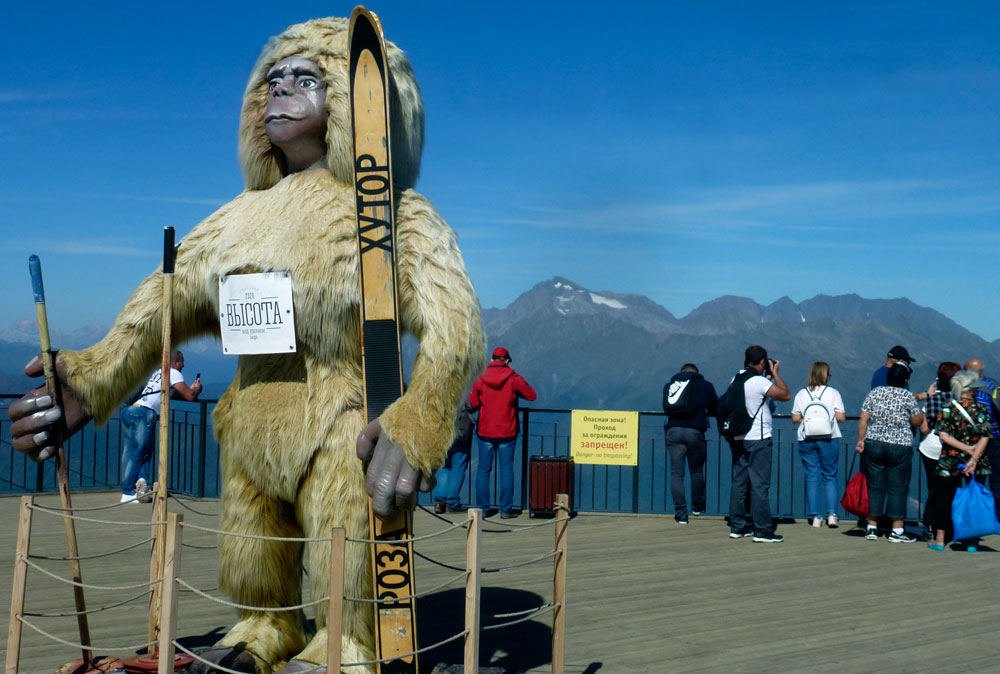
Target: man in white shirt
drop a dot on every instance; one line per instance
(139, 423)
(752, 451)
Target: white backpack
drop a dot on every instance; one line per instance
(817, 423)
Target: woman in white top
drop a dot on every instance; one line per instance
(817, 409)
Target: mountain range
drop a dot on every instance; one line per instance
(606, 350)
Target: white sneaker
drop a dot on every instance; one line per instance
(817, 522)
(832, 522)
(128, 498)
(142, 492)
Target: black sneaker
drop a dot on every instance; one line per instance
(439, 507)
(457, 509)
(681, 520)
(871, 533)
(901, 538)
(769, 537)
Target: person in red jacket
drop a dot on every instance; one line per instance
(495, 396)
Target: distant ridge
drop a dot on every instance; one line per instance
(613, 350)
(582, 348)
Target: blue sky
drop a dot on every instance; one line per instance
(678, 151)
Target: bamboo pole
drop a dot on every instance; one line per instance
(168, 619)
(160, 497)
(20, 584)
(335, 609)
(472, 589)
(62, 471)
(559, 586)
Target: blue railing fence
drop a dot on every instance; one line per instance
(94, 457)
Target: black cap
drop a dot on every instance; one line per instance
(900, 353)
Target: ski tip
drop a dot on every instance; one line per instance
(364, 14)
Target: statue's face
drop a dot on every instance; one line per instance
(295, 117)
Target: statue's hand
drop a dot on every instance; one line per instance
(39, 424)
(390, 480)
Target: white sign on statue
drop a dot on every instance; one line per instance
(255, 313)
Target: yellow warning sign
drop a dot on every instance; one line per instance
(602, 437)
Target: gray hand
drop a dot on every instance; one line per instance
(390, 480)
(39, 424)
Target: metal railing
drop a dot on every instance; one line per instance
(95, 457)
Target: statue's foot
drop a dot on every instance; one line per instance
(234, 658)
(301, 667)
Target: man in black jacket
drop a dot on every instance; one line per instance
(688, 401)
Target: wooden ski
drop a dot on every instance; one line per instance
(392, 560)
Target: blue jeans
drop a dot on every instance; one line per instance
(488, 447)
(139, 424)
(751, 473)
(819, 461)
(452, 474)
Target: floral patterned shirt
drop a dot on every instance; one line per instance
(891, 408)
(954, 423)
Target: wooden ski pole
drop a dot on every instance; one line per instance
(162, 475)
(62, 471)
(392, 556)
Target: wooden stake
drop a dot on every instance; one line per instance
(472, 590)
(160, 498)
(168, 619)
(62, 471)
(335, 610)
(20, 589)
(559, 586)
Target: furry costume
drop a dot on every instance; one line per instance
(287, 425)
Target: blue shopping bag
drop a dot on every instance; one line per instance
(972, 512)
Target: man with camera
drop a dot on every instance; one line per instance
(752, 450)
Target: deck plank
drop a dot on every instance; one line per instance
(644, 595)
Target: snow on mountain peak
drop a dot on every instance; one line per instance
(607, 301)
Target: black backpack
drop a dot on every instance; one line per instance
(732, 413)
(680, 397)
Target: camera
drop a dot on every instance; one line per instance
(767, 367)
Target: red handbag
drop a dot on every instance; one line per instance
(855, 499)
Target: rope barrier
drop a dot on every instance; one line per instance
(544, 608)
(226, 602)
(85, 585)
(434, 561)
(88, 611)
(257, 537)
(95, 556)
(327, 539)
(96, 521)
(521, 527)
(412, 539)
(404, 655)
(199, 547)
(91, 647)
(182, 504)
(547, 555)
(392, 600)
(117, 504)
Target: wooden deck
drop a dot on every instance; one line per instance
(644, 595)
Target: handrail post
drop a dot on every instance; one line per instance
(335, 609)
(559, 586)
(524, 457)
(168, 617)
(20, 584)
(473, 567)
(202, 446)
